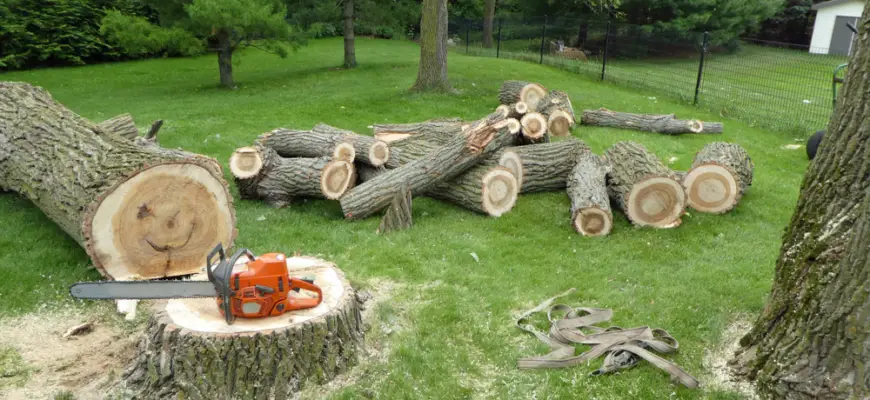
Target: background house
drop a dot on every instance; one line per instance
(830, 33)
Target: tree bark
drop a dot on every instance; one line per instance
(587, 189)
(667, 124)
(483, 188)
(139, 211)
(349, 41)
(488, 18)
(188, 351)
(720, 174)
(322, 140)
(515, 91)
(121, 125)
(225, 58)
(545, 167)
(647, 191)
(395, 132)
(432, 74)
(811, 339)
(398, 216)
(459, 154)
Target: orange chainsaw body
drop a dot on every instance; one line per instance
(263, 289)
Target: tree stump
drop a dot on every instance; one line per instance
(322, 141)
(720, 174)
(587, 189)
(527, 92)
(188, 351)
(398, 216)
(121, 125)
(667, 124)
(488, 190)
(642, 187)
(261, 174)
(139, 211)
(543, 167)
(559, 111)
(534, 129)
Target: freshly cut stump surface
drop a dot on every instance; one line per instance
(720, 174)
(188, 350)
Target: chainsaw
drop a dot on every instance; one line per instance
(260, 290)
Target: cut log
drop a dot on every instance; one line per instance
(544, 167)
(642, 187)
(503, 109)
(261, 174)
(518, 109)
(534, 129)
(321, 142)
(446, 162)
(398, 216)
(667, 123)
(720, 174)
(121, 125)
(344, 152)
(587, 189)
(139, 211)
(488, 190)
(188, 350)
(527, 92)
(394, 132)
(556, 106)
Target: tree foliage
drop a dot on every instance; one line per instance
(139, 37)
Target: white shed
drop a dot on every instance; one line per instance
(830, 33)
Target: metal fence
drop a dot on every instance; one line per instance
(774, 85)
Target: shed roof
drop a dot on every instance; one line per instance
(831, 3)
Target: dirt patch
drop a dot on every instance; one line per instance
(84, 366)
(719, 375)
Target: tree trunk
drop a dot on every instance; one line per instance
(485, 189)
(446, 162)
(121, 125)
(398, 216)
(488, 17)
(436, 135)
(395, 132)
(811, 339)
(225, 58)
(667, 124)
(322, 141)
(432, 74)
(261, 174)
(587, 189)
(515, 91)
(189, 352)
(720, 174)
(139, 211)
(349, 42)
(545, 167)
(647, 191)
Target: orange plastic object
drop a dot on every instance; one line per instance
(263, 289)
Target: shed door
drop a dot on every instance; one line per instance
(842, 38)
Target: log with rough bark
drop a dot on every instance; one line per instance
(389, 133)
(527, 92)
(446, 162)
(261, 174)
(488, 190)
(543, 167)
(642, 187)
(534, 129)
(322, 140)
(398, 216)
(139, 211)
(121, 125)
(659, 123)
(559, 111)
(720, 174)
(587, 189)
(188, 350)
(426, 141)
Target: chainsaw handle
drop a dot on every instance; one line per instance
(209, 260)
(310, 286)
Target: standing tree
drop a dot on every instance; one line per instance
(349, 42)
(225, 24)
(432, 74)
(488, 17)
(812, 340)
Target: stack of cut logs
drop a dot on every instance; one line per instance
(484, 165)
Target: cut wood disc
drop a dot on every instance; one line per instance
(246, 162)
(593, 221)
(513, 125)
(711, 188)
(532, 94)
(560, 123)
(344, 152)
(162, 220)
(657, 202)
(379, 153)
(534, 125)
(500, 191)
(521, 107)
(337, 177)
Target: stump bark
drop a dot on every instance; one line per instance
(587, 189)
(720, 174)
(484, 189)
(560, 113)
(322, 141)
(446, 162)
(261, 174)
(642, 187)
(139, 211)
(398, 216)
(121, 125)
(188, 351)
(667, 124)
(527, 92)
(545, 167)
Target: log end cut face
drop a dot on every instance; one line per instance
(379, 153)
(500, 191)
(160, 222)
(593, 221)
(344, 152)
(532, 94)
(560, 123)
(337, 178)
(711, 188)
(246, 162)
(657, 201)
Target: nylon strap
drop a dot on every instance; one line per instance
(623, 348)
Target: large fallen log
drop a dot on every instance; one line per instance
(545, 167)
(261, 174)
(515, 91)
(720, 174)
(394, 132)
(139, 211)
(667, 123)
(587, 189)
(189, 352)
(560, 113)
(446, 162)
(322, 140)
(488, 190)
(647, 191)
(426, 141)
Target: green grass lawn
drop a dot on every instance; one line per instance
(446, 330)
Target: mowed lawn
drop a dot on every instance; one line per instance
(444, 325)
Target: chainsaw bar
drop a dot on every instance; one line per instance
(142, 290)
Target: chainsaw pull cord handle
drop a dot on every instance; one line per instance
(310, 286)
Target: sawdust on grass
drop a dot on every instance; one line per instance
(719, 374)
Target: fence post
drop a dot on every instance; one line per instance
(543, 35)
(467, 28)
(498, 45)
(606, 41)
(701, 67)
